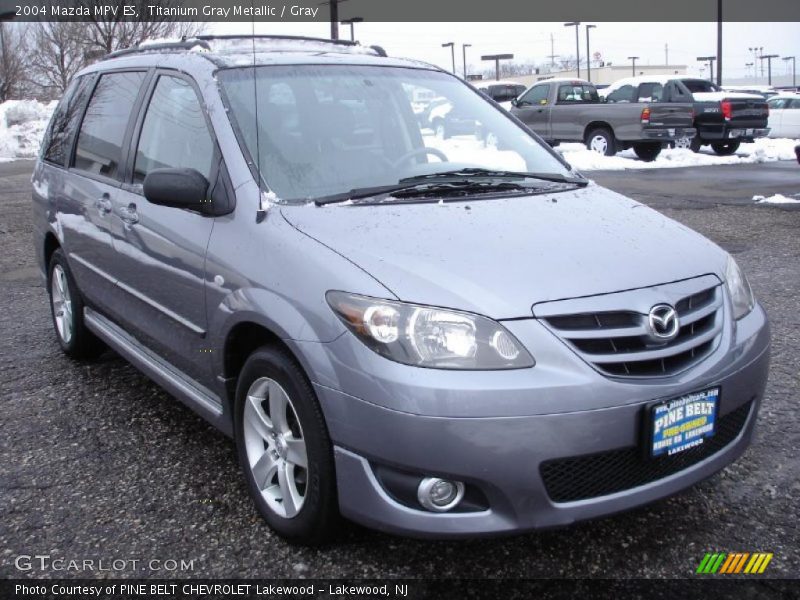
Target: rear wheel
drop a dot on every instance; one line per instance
(66, 307)
(601, 140)
(725, 148)
(647, 151)
(284, 449)
(695, 144)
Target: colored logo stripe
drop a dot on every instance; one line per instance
(723, 563)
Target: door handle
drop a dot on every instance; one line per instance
(103, 205)
(129, 214)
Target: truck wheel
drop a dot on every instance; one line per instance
(601, 140)
(647, 151)
(284, 449)
(695, 144)
(66, 306)
(725, 148)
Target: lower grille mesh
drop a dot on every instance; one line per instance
(582, 477)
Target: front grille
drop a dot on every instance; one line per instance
(618, 343)
(582, 477)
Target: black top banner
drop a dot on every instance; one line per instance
(404, 10)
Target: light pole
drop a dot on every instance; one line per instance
(769, 58)
(589, 54)
(576, 25)
(719, 43)
(747, 68)
(497, 58)
(350, 22)
(710, 60)
(794, 73)
(633, 60)
(464, 57)
(452, 47)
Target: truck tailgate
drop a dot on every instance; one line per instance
(671, 114)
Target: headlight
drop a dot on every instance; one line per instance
(425, 336)
(739, 290)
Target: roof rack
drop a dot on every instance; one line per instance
(203, 42)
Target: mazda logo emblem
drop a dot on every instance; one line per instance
(663, 323)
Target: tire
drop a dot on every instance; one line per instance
(66, 309)
(725, 148)
(647, 151)
(696, 144)
(602, 141)
(270, 448)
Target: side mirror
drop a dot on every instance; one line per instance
(179, 188)
(514, 102)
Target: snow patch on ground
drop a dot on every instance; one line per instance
(22, 126)
(776, 199)
(762, 150)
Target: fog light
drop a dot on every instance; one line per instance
(439, 495)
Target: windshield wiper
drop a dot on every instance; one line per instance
(474, 172)
(446, 186)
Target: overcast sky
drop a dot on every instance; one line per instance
(531, 41)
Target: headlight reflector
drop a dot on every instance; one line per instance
(429, 337)
(739, 289)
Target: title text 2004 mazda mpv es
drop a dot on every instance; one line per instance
(431, 336)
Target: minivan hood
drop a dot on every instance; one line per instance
(498, 257)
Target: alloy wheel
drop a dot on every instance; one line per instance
(275, 447)
(61, 298)
(598, 144)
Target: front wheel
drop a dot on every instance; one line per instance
(725, 148)
(647, 151)
(284, 449)
(601, 141)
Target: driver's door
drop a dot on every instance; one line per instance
(533, 109)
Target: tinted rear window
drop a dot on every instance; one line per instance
(100, 139)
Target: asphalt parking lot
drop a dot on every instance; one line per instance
(97, 462)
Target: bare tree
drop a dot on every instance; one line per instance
(113, 32)
(14, 81)
(56, 54)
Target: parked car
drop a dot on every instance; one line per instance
(570, 110)
(502, 92)
(722, 119)
(765, 91)
(784, 116)
(428, 345)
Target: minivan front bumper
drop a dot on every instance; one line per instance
(502, 456)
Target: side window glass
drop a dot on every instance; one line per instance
(174, 133)
(100, 139)
(794, 104)
(535, 95)
(623, 94)
(651, 92)
(64, 122)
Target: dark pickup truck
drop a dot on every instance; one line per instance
(722, 119)
(570, 110)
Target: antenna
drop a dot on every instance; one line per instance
(261, 213)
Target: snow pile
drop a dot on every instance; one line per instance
(470, 150)
(762, 150)
(776, 199)
(22, 126)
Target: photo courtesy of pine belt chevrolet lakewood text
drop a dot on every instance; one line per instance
(432, 335)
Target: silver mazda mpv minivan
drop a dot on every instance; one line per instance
(429, 334)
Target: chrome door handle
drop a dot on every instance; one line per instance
(103, 205)
(128, 213)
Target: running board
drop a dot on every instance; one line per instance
(193, 394)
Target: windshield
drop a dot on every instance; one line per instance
(325, 130)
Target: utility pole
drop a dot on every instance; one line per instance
(761, 60)
(633, 60)
(497, 58)
(769, 58)
(576, 25)
(719, 43)
(666, 55)
(794, 73)
(553, 54)
(334, 19)
(747, 68)
(464, 57)
(710, 60)
(452, 47)
(588, 54)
